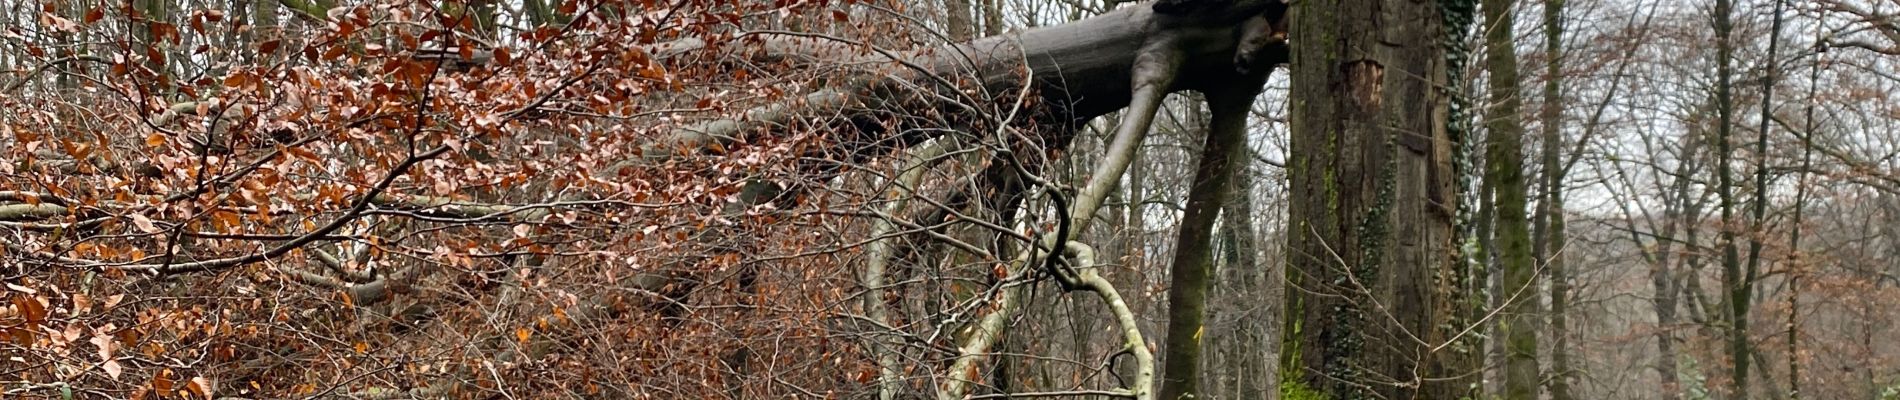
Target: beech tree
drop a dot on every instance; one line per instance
(957, 199)
(1375, 280)
(391, 158)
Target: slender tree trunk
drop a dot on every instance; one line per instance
(1681, 210)
(1135, 255)
(1759, 218)
(1243, 256)
(878, 256)
(1372, 203)
(1795, 259)
(154, 12)
(1551, 241)
(68, 72)
(1489, 277)
(1662, 282)
(1187, 296)
(1504, 165)
(6, 19)
(538, 12)
(1735, 285)
(264, 15)
(957, 20)
(1665, 279)
(992, 17)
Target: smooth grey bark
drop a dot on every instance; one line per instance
(1164, 61)
(957, 20)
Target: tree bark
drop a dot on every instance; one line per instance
(1504, 165)
(1683, 210)
(154, 12)
(957, 21)
(1795, 256)
(1253, 372)
(1735, 285)
(1226, 144)
(992, 17)
(878, 255)
(1759, 217)
(1550, 238)
(1131, 57)
(1169, 58)
(1372, 203)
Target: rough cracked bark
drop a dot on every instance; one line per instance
(1373, 203)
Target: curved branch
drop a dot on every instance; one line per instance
(1132, 340)
(1154, 73)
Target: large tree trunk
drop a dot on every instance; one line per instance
(1372, 204)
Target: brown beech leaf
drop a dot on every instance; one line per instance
(200, 386)
(144, 224)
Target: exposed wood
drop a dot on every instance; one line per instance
(1373, 194)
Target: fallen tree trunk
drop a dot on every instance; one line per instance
(1081, 70)
(1128, 58)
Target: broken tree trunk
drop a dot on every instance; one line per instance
(1128, 58)
(1374, 196)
